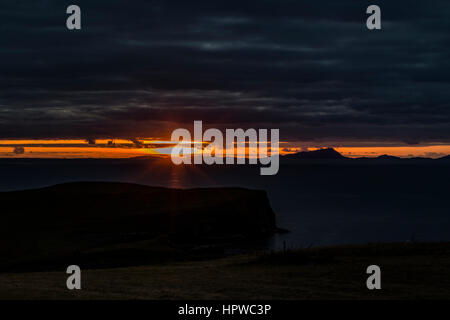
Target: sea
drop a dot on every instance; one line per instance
(321, 202)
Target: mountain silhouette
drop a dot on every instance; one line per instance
(387, 157)
(332, 154)
(327, 153)
(445, 157)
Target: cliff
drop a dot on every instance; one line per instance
(83, 216)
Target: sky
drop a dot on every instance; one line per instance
(309, 68)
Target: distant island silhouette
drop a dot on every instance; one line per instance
(327, 153)
(332, 154)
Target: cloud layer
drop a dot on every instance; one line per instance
(310, 68)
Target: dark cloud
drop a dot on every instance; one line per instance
(310, 68)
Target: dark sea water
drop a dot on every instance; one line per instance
(322, 202)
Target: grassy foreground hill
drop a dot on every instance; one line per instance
(409, 271)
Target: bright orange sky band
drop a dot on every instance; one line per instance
(124, 149)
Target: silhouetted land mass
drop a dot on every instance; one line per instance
(388, 157)
(332, 154)
(447, 158)
(328, 153)
(52, 224)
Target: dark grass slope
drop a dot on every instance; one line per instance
(408, 271)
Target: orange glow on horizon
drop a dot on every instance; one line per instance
(42, 141)
(123, 148)
(76, 152)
